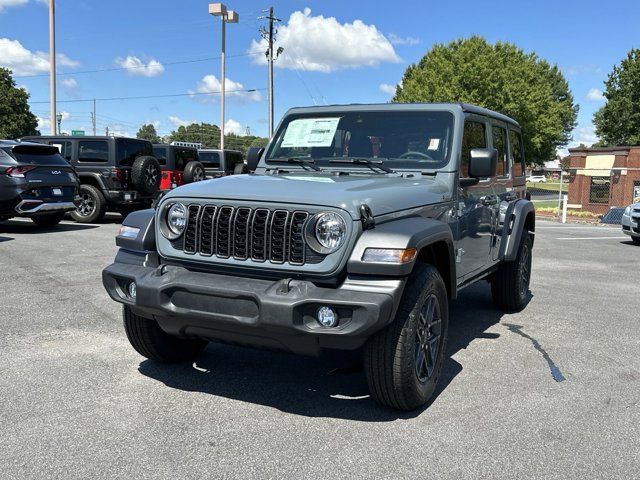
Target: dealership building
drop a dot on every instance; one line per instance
(602, 178)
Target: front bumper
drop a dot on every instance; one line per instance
(631, 226)
(278, 314)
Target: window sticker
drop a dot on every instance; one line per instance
(310, 132)
(434, 143)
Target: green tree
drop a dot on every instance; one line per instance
(500, 77)
(16, 119)
(148, 132)
(618, 121)
(209, 136)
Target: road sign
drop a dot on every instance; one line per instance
(77, 133)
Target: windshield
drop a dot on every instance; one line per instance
(403, 140)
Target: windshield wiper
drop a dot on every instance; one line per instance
(372, 164)
(300, 161)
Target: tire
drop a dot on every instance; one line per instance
(396, 367)
(240, 169)
(150, 341)
(510, 283)
(92, 206)
(49, 220)
(193, 172)
(635, 240)
(145, 175)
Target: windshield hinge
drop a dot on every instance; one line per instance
(366, 217)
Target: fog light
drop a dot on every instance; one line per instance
(327, 317)
(132, 290)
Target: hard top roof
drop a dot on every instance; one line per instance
(371, 107)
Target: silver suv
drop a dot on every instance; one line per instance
(631, 222)
(358, 226)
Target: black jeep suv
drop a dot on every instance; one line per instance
(116, 173)
(35, 182)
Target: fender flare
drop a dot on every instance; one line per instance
(145, 241)
(96, 177)
(514, 224)
(413, 232)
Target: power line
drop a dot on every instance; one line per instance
(115, 69)
(141, 97)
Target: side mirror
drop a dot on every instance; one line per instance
(482, 162)
(253, 158)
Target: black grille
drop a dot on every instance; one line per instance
(245, 233)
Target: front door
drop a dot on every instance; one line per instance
(476, 207)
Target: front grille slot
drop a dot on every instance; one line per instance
(244, 233)
(191, 231)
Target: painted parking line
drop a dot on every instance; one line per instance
(592, 238)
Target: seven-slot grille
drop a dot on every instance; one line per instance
(242, 233)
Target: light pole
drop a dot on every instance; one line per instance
(52, 65)
(227, 16)
(59, 119)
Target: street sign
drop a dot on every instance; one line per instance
(77, 133)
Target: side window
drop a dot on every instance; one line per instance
(517, 153)
(93, 151)
(210, 159)
(499, 135)
(64, 148)
(161, 154)
(474, 137)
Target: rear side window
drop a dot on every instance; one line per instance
(93, 151)
(233, 159)
(184, 156)
(474, 136)
(517, 153)
(128, 150)
(499, 135)
(210, 159)
(161, 154)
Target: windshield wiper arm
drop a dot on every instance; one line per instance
(300, 161)
(363, 161)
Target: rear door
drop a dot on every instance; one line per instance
(502, 185)
(92, 157)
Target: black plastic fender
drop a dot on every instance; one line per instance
(413, 232)
(96, 177)
(146, 239)
(515, 220)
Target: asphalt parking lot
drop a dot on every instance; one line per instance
(551, 392)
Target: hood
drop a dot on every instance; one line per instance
(383, 193)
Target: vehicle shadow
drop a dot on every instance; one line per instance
(330, 386)
(22, 226)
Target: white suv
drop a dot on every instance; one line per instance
(537, 179)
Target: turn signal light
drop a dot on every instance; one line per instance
(389, 255)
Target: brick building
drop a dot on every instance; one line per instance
(602, 178)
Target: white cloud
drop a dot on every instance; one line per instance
(387, 88)
(24, 87)
(397, 40)
(135, 66)
(235, 127)
(179, 122)
(23, 61)
(69, 83)
(595, 95)
(11, 3)
(323, 44)
(44, 124)
(211, 84)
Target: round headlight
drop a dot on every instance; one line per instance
(177, 218)
(627, 211)
(329, 232)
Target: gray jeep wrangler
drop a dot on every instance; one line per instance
(358, 226)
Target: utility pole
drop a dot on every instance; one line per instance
(107, 131)
(227, 16)
(52, 65)
(268, 34)
(93, 117)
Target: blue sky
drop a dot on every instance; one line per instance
(335, 52)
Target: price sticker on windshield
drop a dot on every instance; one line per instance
(310, 132)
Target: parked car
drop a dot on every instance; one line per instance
(180, 165)
(116, 173)
(218, 163)
(359, 225)
(537, 179)
(35, 182)
(631, 222)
